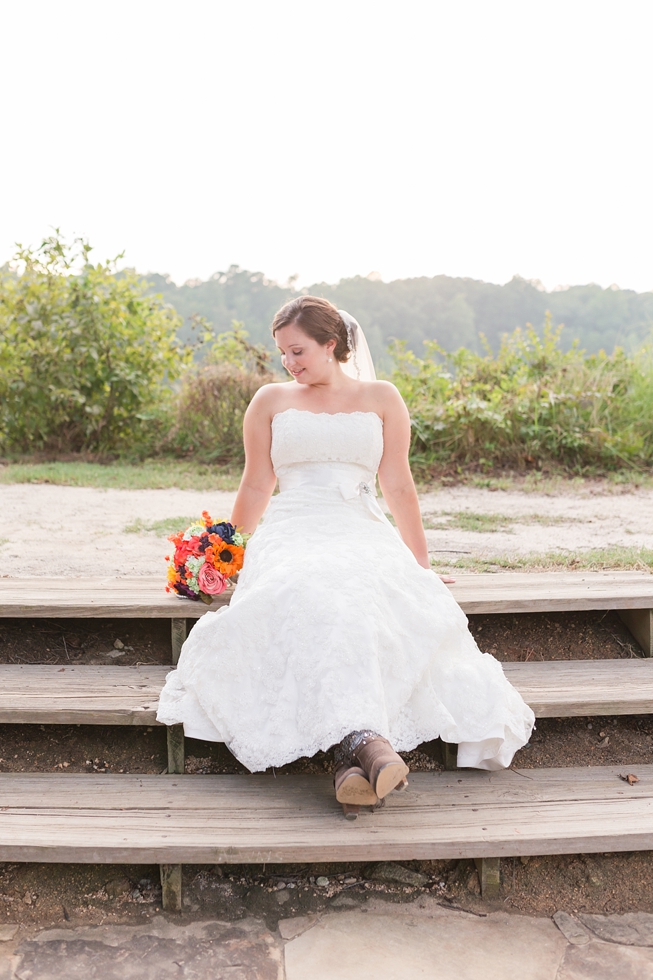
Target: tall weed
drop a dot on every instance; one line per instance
(214, 396)
(531, 405)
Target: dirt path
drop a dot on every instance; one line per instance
(76, 531)
(570, 521)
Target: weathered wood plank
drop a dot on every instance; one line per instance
(199, 792)
(114, 598)
(553, 591)
(575, 688)
(80, 694)
(257, 819)
(112, 695)
(486, 593)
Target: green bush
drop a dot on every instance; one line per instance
(531, 405)
(214, 396)
(86, 358)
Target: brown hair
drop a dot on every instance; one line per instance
(318, 318)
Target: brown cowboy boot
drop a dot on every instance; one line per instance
(384, 768)
(353, 789)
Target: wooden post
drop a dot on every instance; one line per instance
(175, 750)
(640, 624)
(171, 873)
(178, 635)
(489, 875)
(171, 887)
(446, 753)
(450, 755)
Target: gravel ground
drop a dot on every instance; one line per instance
(81, 530)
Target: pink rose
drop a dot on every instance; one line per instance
(210, 580)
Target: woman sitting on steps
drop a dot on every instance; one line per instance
(338, 632)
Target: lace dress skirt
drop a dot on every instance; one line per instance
(334, 627)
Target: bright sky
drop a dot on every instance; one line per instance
(331, 138)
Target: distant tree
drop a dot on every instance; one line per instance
(236, 294)
(453, 312)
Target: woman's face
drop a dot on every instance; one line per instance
(303, 358)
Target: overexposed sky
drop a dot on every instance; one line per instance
(330, 138)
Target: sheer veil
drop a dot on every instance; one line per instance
(360, 364)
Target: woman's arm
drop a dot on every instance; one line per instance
(258, 480)
(395, 478)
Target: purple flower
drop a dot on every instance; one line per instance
(225, 530)
(184, 590)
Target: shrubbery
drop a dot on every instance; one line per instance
(86, 357)
(90, 362)
(530, 405)
(209, 409)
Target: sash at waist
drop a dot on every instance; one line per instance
(350, 479)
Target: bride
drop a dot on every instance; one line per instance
(338, 632)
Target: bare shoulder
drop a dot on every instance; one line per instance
(269, 398)
(385, 390)
(387, 398)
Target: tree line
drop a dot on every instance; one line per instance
(454, 312)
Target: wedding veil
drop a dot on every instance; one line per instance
(360, 364)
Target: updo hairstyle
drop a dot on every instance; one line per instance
(317, 318)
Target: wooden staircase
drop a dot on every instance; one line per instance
(258, 819)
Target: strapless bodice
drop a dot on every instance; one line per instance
(339, 451)
(319, 437)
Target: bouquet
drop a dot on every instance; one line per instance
(206, 555)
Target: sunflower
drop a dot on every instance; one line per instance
(173, 577)
(227, 558)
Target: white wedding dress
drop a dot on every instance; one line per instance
(334, 627)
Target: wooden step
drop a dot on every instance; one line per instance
(487, 593)
(47, 694)
(112, 695)
(528, 592)
(631, 593)
(262, 819)
(102, 598)
(576, 688)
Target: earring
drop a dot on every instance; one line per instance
(329, 359)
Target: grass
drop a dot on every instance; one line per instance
(169, 525)
(616, 558)
(552, 484)
(468, 520)
(546, 484)
(152, 474)
(165, 473)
